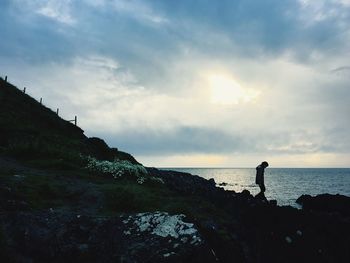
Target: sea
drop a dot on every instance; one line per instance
(282, 184)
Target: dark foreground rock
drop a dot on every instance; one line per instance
(326, 203)
(259, 231)
(61, 237)
(220, 226)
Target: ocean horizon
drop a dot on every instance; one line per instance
(282, 184)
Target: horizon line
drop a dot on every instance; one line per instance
(189, 167)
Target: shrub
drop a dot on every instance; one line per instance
(117, 168)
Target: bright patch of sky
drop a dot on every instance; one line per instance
(191, 83)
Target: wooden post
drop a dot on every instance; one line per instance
(24, 90)
(75, 120)
(57, 111)
(41, 100)
(5, 78)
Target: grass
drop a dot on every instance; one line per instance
(124, 195)
(38, 191)
(128, 196)
(53, 163)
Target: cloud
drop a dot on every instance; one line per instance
(57, 10)
(178, 140)
(204, 140)
(139, 10)
(343, 71)
(263, 28)
(145, 32)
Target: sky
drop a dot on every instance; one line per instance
(201, 83)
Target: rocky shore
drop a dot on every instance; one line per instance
(65, 237)
(252, 231)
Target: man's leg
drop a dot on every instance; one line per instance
(259, 195)
(262, 191)
(262, 188)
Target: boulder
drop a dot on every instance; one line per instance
(326, 203)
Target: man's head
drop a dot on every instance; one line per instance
(265, 164)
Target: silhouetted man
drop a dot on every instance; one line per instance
(259, 180)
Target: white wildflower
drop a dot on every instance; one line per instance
(117, 168)
(141, 180)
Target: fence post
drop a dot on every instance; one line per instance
(41, 101)
(57, 111)
(75, 120)
(24, 90)
(5, 78)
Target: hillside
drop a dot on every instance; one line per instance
(30, 131)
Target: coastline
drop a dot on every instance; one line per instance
(237, 225)
(283, 184)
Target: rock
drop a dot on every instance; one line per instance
(273, 202)
(303, 198)
(326, 203)
(62, 237)
(212, 182)
(165, 225)
(18, 176)
(246, 193)
(186, 183)
(209, 224)
(83, 247)
(288, 240)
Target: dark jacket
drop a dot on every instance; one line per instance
(259, 179)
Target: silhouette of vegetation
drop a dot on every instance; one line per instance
(31, 132)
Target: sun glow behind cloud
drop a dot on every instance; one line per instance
(226, 90)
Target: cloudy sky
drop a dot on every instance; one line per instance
(203, 83)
